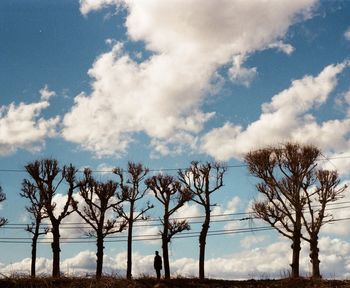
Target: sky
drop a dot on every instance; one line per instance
(98, 83)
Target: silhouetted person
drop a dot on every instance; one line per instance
(157, 264)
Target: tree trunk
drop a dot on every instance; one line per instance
(34, 245)
(55, 250)
(296, 246)
(202, 242)
(99, 255)
(165, 249)
(129, 256)
(314, 252)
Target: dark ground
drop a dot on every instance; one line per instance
(174, 283)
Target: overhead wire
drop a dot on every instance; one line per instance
(145, 237)
(325, 158)
(18, 240)
(82, 225)
(184, 234)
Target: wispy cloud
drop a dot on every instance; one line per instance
(347, 34)
(46, 93)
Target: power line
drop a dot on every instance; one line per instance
(82, 225)
(171, 169)
(154, 237)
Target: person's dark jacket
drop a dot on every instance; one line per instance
(157, 262)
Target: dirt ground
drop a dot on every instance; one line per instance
(174, 283)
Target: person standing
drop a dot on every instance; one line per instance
(157, 264)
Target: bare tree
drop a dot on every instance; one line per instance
(3, 221)
(47, 177)
(131, 192)
(36, 209)
(100, 198)
(324, 189)
(284, 171)
(203, 180)
(167, 190)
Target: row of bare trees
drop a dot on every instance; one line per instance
(111, 206)
(295, 194)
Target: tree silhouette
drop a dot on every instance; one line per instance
(203, 180)
(167, 190)
(3, 221)
(284, 171)
(321, 189)
(48, 177)
(99, 199)
(36, 209)
(131, 192)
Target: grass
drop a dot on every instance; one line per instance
(112, 282)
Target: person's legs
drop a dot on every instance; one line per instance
(158, 274)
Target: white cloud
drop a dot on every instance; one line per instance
(286, 117)
(249, 241)
(230, 207)
(162, 96)
(83, 262)
(347, 34)
(240, 74)
(347, 101)
(150, 233)
(72, 225)
(283, 47)
(105, 167)
(188, 211)
(247, 264)
(46, 93)
(23, 127)
(87, 6)
(43, 267)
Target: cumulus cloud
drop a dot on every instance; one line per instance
(43, 267)
(188, 211)
(246, 264)
(286, 117)
(162, 96)
(23, 127)
(72, 225)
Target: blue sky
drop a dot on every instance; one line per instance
(99, 83)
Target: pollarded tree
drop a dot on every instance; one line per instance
(36, 209)
(203, 180)
(132, 191)
(284, 171)
(324, 190)
(48, 177)
(167, 190)
(3, 220)
(100, 200)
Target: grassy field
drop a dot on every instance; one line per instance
(174, 283)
